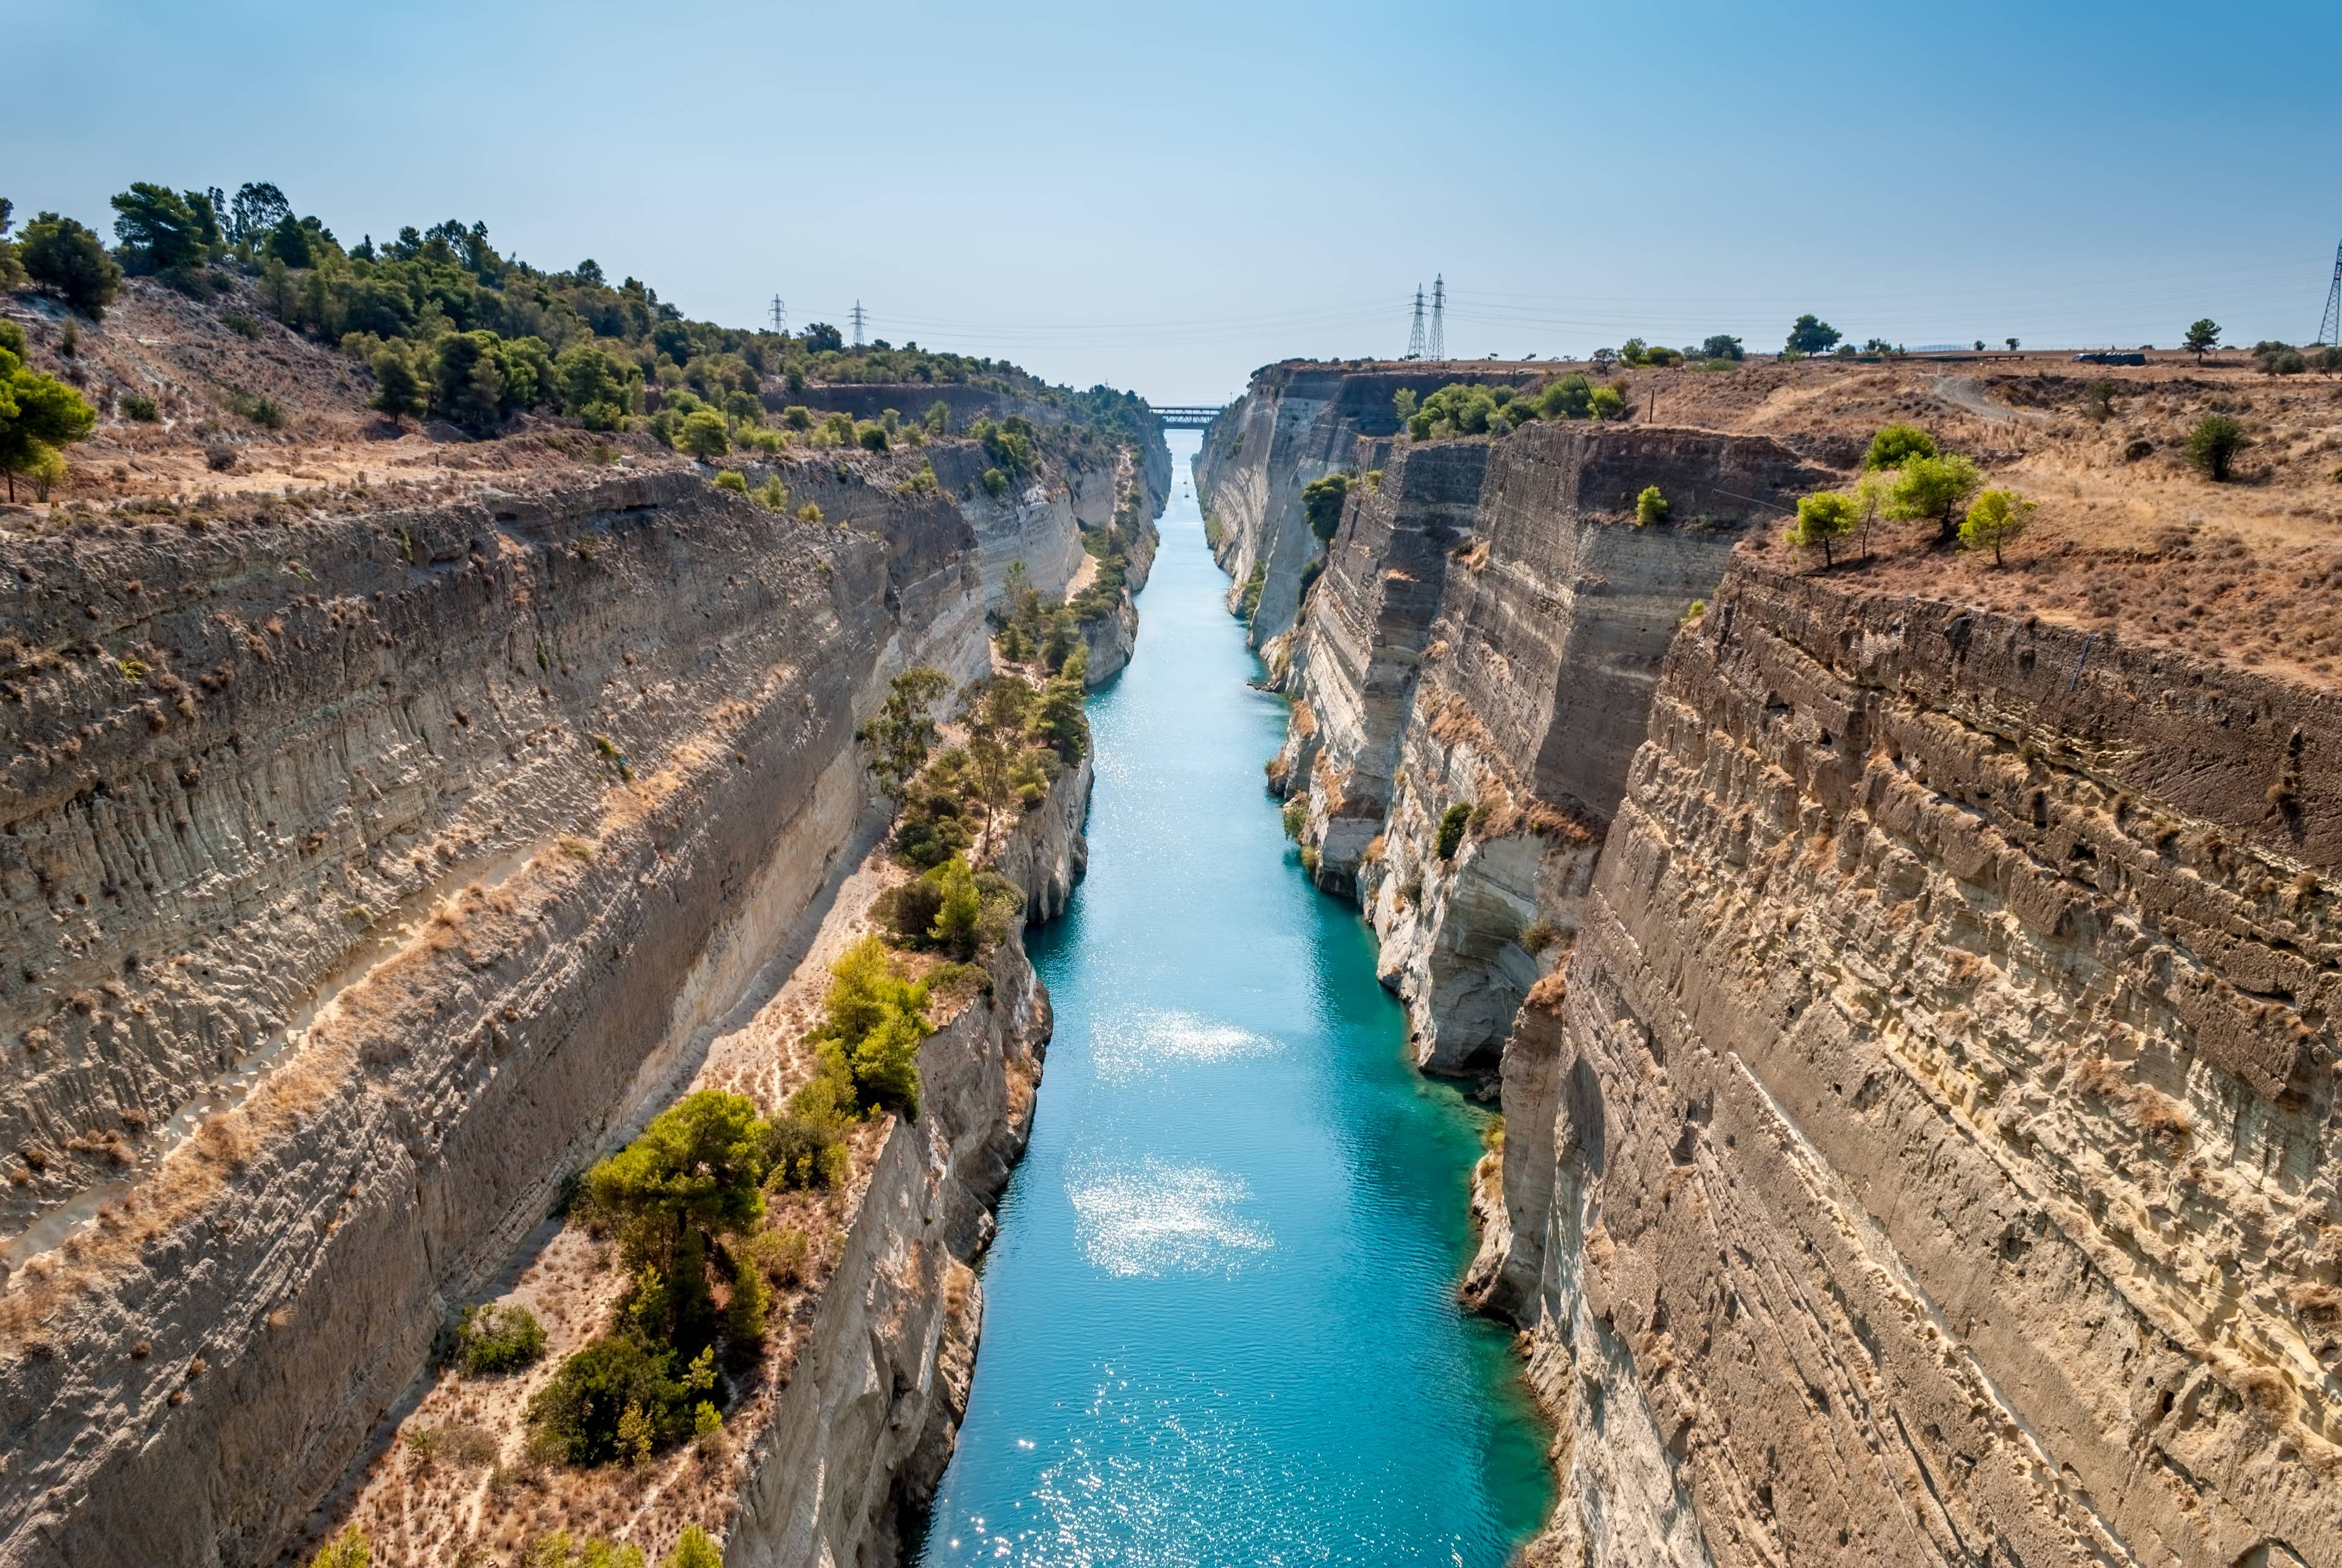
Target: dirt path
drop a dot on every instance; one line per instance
(1963, 393)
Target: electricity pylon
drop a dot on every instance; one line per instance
(1415, 333)
(1439, 316)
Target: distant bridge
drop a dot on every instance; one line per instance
(1186, 418)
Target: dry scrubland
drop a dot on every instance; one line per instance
(2128, 538)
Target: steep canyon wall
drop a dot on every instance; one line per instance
(1915, 1024)
(367, 871)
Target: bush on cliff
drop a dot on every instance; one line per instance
(1452, 823)
(38, 414)
(1823, 520)
(353, 1548)
(1569, 398)
(1321, 504)
(1650, 507)
(1933, 487)
(875, 1020)
(492, 1340)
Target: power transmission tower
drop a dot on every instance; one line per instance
(1439, 316)
(2329, 328)
(780, 316)
(859, 318)
(1415, 333)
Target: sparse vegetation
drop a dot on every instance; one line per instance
(1932, 487)
(353, 1548)
(1650, 507)
(1994, 520)
(2212, 443)
(1894, 445)
(492, 1340)
(39, 415)
(1321, 505)
(1824, 519)
(1452, 823)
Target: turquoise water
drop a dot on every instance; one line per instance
(1220, 1325)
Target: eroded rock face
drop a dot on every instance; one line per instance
(1298, 422)
(363, 876)
(1920, 1119)
(1485, 641)
(1943, 1084)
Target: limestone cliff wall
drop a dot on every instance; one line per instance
(1297, 421)
(1486, 637)
(1944, 1082)
(364, 876)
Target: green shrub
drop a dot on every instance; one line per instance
(873, 1022)
(262, 411)
(619, 1397)
(995, 483)
(1605, 403)
(958, 907)
(694, 1550)
(1249, 604)
(2213, 445)
(1451, 829)
(1996, 519)
(703, 434)
(1824, 518)
(1321, 505)
(732, 479)
(242, 325)
(353, 1548)
(1895, 444)
(1933, 487)
(1296, 817)
(141, 409)
(38, 414)
(1538, 936)
(559, 1549)
(872, 437)
(492, 1340)
(1650, 507)
(1571, 397)
(782, 1253)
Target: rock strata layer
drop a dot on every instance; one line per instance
(367, 873)
(1915, 1024)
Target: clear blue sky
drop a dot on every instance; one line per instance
(1167, 197)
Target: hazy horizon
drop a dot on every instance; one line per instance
(1167, 203)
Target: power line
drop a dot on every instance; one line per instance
(1415, 334)
(780, 316)
(2329, 327)
(859, 318)
(1439, 316)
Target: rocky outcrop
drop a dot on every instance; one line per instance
(1299, 421)
(365, 874)
(1944, 1082)
(1484, 642)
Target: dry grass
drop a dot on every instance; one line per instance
(2143, 547)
